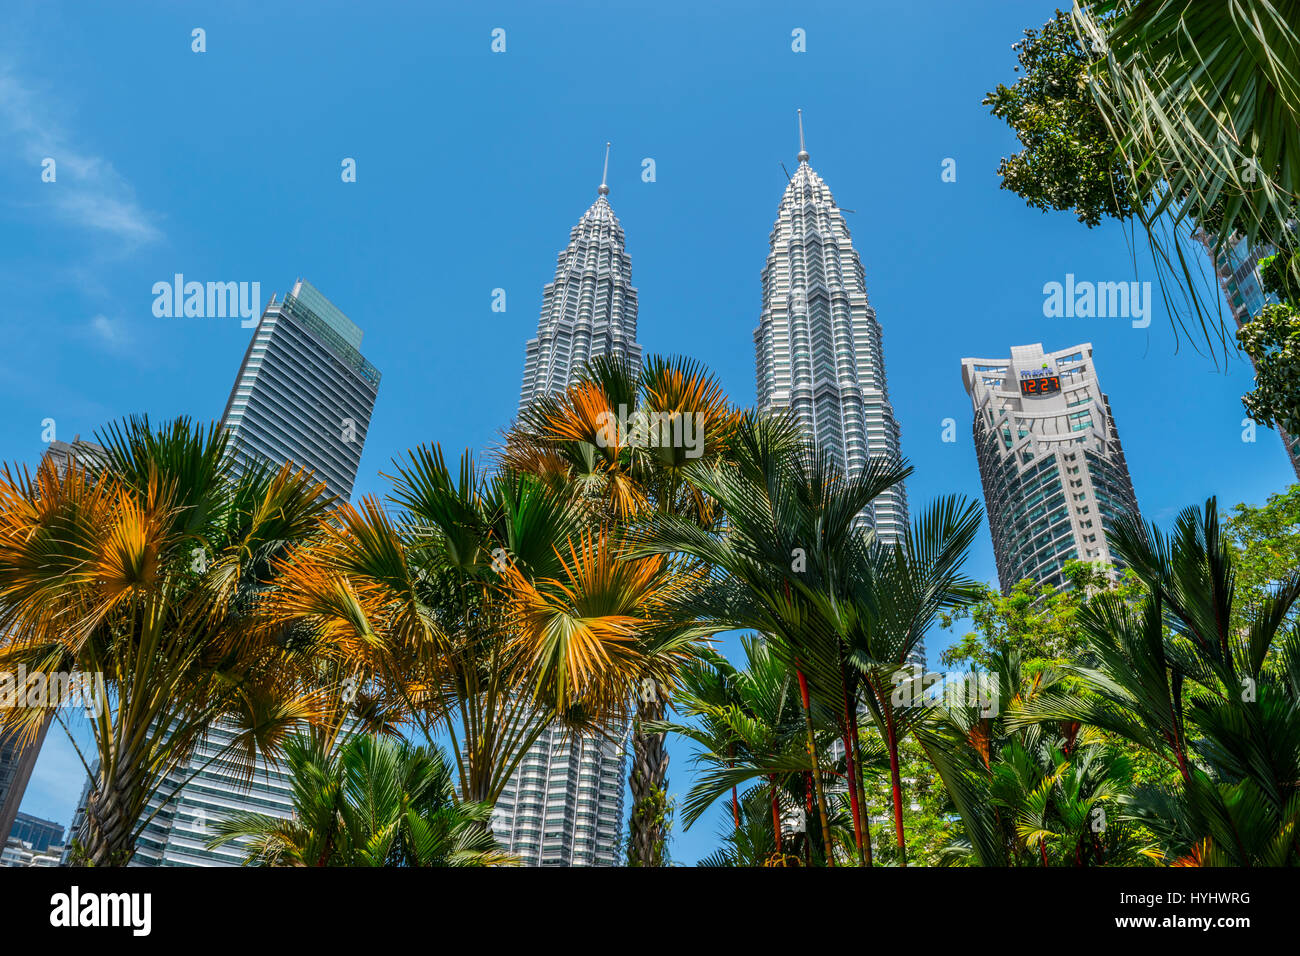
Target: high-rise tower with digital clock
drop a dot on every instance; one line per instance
(1050, 459)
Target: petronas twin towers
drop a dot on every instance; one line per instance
(817, 345)
(589, 308)
(818, 354)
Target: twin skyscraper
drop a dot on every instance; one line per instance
(818, 355)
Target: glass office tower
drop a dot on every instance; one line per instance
(304, 392)
(1237, 268)
(1050, 459)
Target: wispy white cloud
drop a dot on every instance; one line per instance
(109, 333)
(87, 192)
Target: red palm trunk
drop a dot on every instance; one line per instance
(851, 765)
(827, 843)
(897, 784)
(735, 802)
(776, 815)
(862, 789)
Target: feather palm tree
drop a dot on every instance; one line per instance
(747, 727)
(794, 562)
(372, 801)
(1217, 701)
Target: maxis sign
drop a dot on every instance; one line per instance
(1039, 381)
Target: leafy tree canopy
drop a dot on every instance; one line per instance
(1069, 160)
(1035, 621)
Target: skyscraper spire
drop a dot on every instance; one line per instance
(588, 309)
(818, 343)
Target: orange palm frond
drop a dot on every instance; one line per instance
(979, 739)
(580, 636)
(1195, 856)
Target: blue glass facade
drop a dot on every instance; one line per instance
(304, 392)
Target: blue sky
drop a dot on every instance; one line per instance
(471, 169)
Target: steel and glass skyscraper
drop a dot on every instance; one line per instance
(589, 308)
(818, 344)
(563, 806)
(304, 392)
(1054, 474)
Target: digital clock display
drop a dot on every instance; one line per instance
(1040, 386)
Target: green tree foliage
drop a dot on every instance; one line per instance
(929, 817)
(1186, 677)
(1038, 622)
(1183, 116)
(1069, 159)
(1266, 541)
(1272, 340)
(373, 801)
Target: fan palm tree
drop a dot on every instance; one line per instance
(619, 442)
(372, 801)
(1203, 103)
(145, 569)
(485, 609)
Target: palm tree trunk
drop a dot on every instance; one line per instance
(735, 798)
(862, 787)
(897, 784)
(854, 806)
(817, 777)
(648, 781)
(109, 825)
(776, 813)
(850, 766)
(808, 811)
